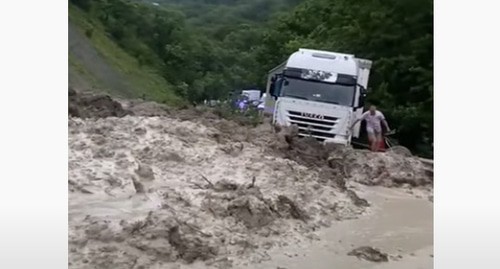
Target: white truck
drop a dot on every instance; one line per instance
(321, 92)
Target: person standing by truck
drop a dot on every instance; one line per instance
(374, 120)
(262, 105)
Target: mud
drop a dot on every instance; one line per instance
(398, 224)
(388, 169)
(174, 194)
(369, 254)
(93, 106)
(340, 164)
(153, 187)
(147, 109)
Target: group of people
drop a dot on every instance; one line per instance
(242, 103)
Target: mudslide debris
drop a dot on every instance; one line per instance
(94, 106)
(369, 254)
(171, 187)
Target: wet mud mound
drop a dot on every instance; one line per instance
(396, 167)
(248, 206)
(139, 243)
(176, 187)
(85, 105)
(388, 169)
(154, 191)
(369, 254)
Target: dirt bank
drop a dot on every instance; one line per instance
(151, 186)
(88, 105)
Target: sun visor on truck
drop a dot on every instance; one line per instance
(346, 79)
(317, 75)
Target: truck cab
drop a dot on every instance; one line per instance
(321, 92)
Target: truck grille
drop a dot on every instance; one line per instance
(318, 126)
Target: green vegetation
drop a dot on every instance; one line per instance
(396, 34)
(206, 48)
(249, 117)
(83, 72)
(144, 80)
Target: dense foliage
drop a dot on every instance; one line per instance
(396, 34)
(210, 47)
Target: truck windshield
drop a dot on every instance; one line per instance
(318, 91)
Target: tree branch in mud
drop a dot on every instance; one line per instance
(192, 228)
(198, 186)
(210, 207)
(253, 183)
(207, 180)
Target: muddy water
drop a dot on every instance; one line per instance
(134, 180)
(399, 224)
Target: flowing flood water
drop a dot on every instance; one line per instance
(165, 192)
(399, 225)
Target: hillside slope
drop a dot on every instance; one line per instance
(99, 64)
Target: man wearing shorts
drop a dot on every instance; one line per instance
(374, 120)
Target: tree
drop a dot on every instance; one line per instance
(395, 34)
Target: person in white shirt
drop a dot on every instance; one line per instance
(262, 104)
(374, 120)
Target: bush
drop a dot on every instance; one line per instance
(250, 117)
(83, 4)
(89, 32)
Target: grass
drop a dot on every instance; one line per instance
(144, 81)
(80, 69)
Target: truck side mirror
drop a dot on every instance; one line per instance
(361, 101)
(275, 87)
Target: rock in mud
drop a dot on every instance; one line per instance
(169, 157)
(356, 200)
(139, 188)
(232, 149)
(140, 131)
(251, 211)
(225, 185)
(145, 172)
(369, 254)
(100, 153)
(190, 249)
(288, 207)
